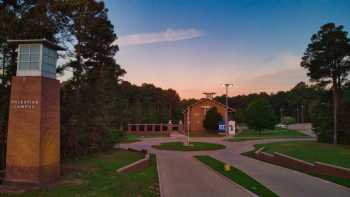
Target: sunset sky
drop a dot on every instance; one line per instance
(194, 46)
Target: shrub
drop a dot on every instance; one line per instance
(344, 123)
(288, 120)
(260, 115)
(111, 138)
(321, 122)
(212, 119)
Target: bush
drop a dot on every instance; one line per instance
(344, 123)
(260, 115)
(111, 138)
(212, 119)
(240, 116)
(288, 120)
(322, 123)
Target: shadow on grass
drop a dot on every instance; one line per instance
(95, 175)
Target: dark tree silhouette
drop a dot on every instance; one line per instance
(327, 59)
(260, 115)
(212, 119)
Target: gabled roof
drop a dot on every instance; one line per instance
(211, 100)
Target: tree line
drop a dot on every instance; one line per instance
(325, 103)
(302, 104)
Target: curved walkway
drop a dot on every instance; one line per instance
(181, 175)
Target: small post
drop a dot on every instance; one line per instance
(180, 127)
(227, 167)
(161, 127)
(170, 126)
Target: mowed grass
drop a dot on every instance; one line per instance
(205, 134)
(237, 176)
(95, 175)
(129, 138)
(194, 146)
(312, 151)
(266, 134)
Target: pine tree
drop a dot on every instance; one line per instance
(327, 59)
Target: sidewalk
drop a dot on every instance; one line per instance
(181, 175)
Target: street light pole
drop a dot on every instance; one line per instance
(227, 85)
(188, 126)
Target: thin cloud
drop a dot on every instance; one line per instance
(169, 35)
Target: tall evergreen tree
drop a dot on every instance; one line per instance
(90, 108)
(212, 119)
(327, 59)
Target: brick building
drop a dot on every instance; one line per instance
(197, 111)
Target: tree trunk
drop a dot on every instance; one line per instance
(3, 64)
(298, 119)
(335, 113)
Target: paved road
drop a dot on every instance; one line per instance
(181, 175)
(305, 128)
(283, 181)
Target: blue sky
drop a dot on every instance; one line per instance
(194, 46)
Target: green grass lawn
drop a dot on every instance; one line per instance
(204, 134)
(195, 146)
(129, 138)
(95, 175)
(266, 134)
(312, 152)
(237, 176)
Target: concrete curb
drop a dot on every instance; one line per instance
(161, 187)
(226, 178)
(259, 150)
(293, 163)
(140, 164)
(293, 158)
(332, 166)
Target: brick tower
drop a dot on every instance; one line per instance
(33, 141)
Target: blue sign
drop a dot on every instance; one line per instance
(222, 126)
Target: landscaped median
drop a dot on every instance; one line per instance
(267, 134)
(327, 161)
(237, 176)
(193, 146)
(95, 175)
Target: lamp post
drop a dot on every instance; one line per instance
(227, 85)
(188, 126)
